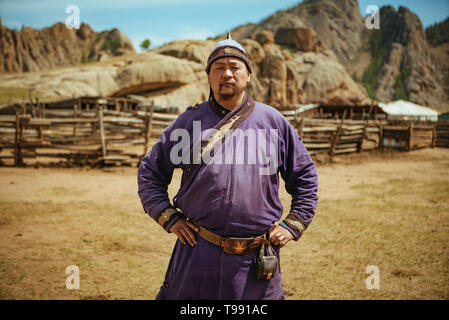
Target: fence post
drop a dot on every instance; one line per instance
(75, 115)
(365, 129)
(410, 134)
(335, 140)
(337, 135)
(381, 136)
(117, 104)
(17, 136)
(101, 125)
(434, 135)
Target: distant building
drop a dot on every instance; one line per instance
(340, 107)
(405, 110)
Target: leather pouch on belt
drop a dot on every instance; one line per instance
(266, 266)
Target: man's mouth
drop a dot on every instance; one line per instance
(227, 84)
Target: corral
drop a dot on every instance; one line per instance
(119, 131)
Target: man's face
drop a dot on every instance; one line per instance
(228, 77)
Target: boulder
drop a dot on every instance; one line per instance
(172, 76)
(193, 50)
(264, 37)
(302, 39)
(156, 72)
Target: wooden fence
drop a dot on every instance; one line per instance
(337, 136)
(409, 135)
(442, 133)
(92, 137)
(107, 133)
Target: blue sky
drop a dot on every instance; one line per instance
(165, 20)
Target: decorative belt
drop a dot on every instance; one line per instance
(229, 244)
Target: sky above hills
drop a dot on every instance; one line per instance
(165, 20)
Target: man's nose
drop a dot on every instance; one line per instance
(227, 73)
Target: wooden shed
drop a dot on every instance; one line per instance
(352, 109)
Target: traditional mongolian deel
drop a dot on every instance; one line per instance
(233, 194)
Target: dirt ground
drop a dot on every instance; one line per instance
(390, 210)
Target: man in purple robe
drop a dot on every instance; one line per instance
(231, 150)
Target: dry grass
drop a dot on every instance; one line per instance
(392, 212)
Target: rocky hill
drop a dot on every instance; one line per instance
(402, 63)
(395, 62)
(32, 50)
(174, 75)
(291, 65)
(313, 51)
(337, 23)
(438, 38)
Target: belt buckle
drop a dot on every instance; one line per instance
(239, 245)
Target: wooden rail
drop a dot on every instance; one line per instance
(92, 137)
(92, 132)
(442, 134)
(337, 136)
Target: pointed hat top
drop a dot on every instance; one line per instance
(228, 48)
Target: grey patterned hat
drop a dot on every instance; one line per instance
(228, 48)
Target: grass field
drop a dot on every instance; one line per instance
(391, 211)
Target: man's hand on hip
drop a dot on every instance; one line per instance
(184, 230)
(280, 236)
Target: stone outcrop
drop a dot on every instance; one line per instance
(337, 24)
(56, 46)
(68, 82)
(408, 63)
(166, 80)
(302, 39)
(299, 55)
(283, 77)
(280, 77)
(193, 50)
(173, 75)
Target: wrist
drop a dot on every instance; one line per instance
(282, 224)
(167, 216)
(290, 230)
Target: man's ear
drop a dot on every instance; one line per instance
(249, 77)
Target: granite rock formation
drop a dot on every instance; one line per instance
(57, 46)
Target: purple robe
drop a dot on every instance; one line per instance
(237, 198)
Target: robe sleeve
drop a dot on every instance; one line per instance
(301, 182)
(154, 176)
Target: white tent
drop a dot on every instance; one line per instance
(406, 110)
